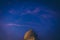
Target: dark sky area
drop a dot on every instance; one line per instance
(19, 16)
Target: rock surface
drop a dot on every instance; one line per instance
(29, 35)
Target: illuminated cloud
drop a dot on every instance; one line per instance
(46, 16)
(33, 12)
(12, 11)
(36, 10)
(12, 24)
(28, 11)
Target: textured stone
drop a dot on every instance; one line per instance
(29, 35)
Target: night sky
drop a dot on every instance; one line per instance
(19, 16)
